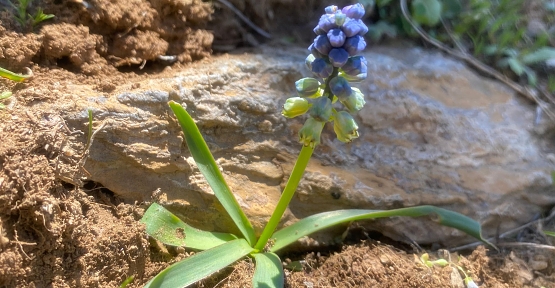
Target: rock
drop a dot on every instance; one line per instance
(432, 132)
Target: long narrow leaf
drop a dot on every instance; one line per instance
(208, 168)
(538, 56)
(168, 229)
(13, 76)
(269, 271)
(324, 220)
(200, 265)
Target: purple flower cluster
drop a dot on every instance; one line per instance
(340, 36)
(334, 59)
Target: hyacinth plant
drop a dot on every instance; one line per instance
(335, 63)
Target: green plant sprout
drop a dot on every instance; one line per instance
(24, 18)
(127, 281)
(5, 95)
(334, 60)
(425, 259)
(520, 62)
(468, 281)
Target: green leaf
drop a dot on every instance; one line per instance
(497, 24)
(551, 89)
(491, 50)
(538, 56)
(208, 168)
(324, 220)
(426, 12)
(381, 28)
(269, 271)
(200, 265)
(382, 3)
(503, 62)
(549, 233)
(451, 8)
(13, 76)
(531, 76)
(165, 227)
(516, 66)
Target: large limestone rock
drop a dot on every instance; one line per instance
(432, 132)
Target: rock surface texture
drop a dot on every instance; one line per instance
(432, 132)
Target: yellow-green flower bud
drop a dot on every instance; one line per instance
(307, 87)
(309, 135)
(295, 106)
(345, 126)
(308, 61)
(355, 101)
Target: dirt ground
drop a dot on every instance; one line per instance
(57, 231)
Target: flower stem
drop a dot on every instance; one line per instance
(327, 89)
(286, 196)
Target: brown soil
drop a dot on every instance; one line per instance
(57, 231)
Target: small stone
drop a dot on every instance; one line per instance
(265, 126)
(384, 259)
(537, 265)
(456, 280)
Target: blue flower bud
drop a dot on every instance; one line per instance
(294, 107)
(340, 87)
(355, 101)
(336, 37)
(353, 27)
(355, 11)
(307, 87)
(309, 135)
(308, 61)
(354, 45)
(322, 44)
(321, 68)
(314, 51)
(345, 126)
(321, 109)
(318, 31)
(338, 57)
(331, 9)
(355, 65)
(326, 22)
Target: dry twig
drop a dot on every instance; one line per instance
(245, 19)
(508, 233)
